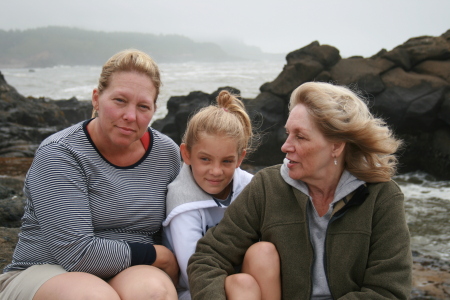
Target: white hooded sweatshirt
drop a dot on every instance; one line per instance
(190, 212)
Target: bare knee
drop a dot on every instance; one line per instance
(262, 257)
(143, 282)
(245, 281)
(242, 286)
(265, 249)
(76, 285)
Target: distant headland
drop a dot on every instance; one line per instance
(51, 46)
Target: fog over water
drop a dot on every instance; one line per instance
(355, 27)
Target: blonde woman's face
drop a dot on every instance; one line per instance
(125, 108)
(309, 154)
(213, 160)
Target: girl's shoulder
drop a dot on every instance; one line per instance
(242, 174)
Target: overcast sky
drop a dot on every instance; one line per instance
(355, 27)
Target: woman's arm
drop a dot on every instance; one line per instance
(166, 261)
(388, 272)
(223, 247)
(57, 189)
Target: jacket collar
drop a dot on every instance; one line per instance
(347, 187)
(357, 197)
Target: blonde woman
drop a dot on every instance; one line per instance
(96, 199)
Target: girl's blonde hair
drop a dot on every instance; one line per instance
(129, 60)
(341, 115)
(228, 118)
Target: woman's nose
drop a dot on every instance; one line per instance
(287, 146)
(130, 113)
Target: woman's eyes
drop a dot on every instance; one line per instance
(298, 137)
(141, 106)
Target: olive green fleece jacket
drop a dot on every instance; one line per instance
(367, 251)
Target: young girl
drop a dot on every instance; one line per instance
(214, 145)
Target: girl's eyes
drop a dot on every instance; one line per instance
(226, 161)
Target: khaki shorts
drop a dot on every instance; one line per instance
(22, 285)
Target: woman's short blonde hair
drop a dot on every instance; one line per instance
(129, 60)
(228, 118)
(343, 116)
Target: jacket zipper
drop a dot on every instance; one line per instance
(311, 266)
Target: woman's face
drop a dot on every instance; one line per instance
(125, 108)
(310, 155)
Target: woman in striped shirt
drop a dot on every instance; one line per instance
(96, 199)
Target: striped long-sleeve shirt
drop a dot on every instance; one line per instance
(81, 210)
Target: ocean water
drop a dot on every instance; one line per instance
(64, 82)
(427, 201)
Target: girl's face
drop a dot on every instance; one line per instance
(125, 108)
(213, 160)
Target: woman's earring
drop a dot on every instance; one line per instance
(335, 161)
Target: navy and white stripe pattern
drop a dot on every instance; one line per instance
(81, 210)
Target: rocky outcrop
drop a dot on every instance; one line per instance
(25, 122)
(408, 86)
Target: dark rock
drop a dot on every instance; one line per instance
(12, 202)
(268, 113)
(437, 68)
(324, 76)
(324, 54)
(11, 211)
(181, 108)
(74, 111)
(365, 73)
(444, 111)
(292, 76)
(311, 62)
(410, 101)
(8, 241)
(26, 121)
(400, 57)
(427, 48)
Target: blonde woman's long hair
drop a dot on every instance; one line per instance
(341, 115)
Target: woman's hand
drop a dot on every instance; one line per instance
(166, 261)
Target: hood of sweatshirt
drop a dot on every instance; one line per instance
(184, 194)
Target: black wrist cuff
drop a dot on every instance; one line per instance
(142, 254)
